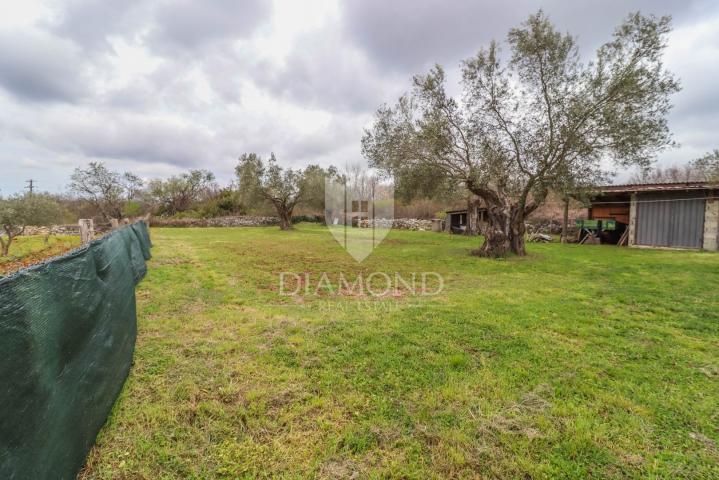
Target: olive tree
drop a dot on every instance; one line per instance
(283, 188)
(19, 211)
(106, 190)
(178, 193)
(525, 122)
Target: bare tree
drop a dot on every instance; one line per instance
(521, 126)
(671, 174)
(707, 166)
(361, 181)
(107, 191)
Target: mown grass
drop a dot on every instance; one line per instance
(31, 249)
(575, 362)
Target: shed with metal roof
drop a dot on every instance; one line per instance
(674, 215)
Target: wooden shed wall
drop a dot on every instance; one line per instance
(620, 212)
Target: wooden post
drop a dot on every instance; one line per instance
(565, 220)
(114, 223)
(87, 229)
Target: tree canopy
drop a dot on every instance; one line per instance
(707, 166)
(108, 191)
(178, 193)
(535, 120)
(19, 211)
(283, 188)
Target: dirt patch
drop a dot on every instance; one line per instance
(339, 469)
(516, 418)
(395, 241)
(56, 250)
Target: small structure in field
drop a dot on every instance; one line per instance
(456, 221)
(677, 215)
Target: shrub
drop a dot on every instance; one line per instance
(308, 218)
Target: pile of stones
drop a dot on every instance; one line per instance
(400, 223)
(552, 227)
(235, 221)
(54, 230)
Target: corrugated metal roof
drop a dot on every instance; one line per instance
(657, 187)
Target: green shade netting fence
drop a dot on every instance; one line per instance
(67, 335)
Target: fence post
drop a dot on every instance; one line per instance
(87, 229)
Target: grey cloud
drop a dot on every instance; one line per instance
(694, 61)
(169, 85)
(168, 27)
(90, 22)
(125, 137)
(699, 100)
(139, 95)
(186, 25)
(407, 36)
(323, 145)
(148, 142)
(694, 133)
(221, 69)
(323, 73)
(411, 34)
(39, 67)
(337, 73)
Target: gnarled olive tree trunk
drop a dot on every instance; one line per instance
(504, 232)
(505, 229)
(10, 234)
(473, 203)
(284, 210)
(5, 246)
(565, 220)
(285, 219)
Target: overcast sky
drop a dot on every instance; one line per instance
(158, 87)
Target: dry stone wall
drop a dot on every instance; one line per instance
(399, 223)
(54, 230)
(236, 221)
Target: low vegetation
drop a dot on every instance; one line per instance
(19, 211)
(29, 250)
(574, 362)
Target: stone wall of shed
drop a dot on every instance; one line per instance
(711, 224)
(632, 220)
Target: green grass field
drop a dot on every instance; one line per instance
(31, 249)
(575, 362)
